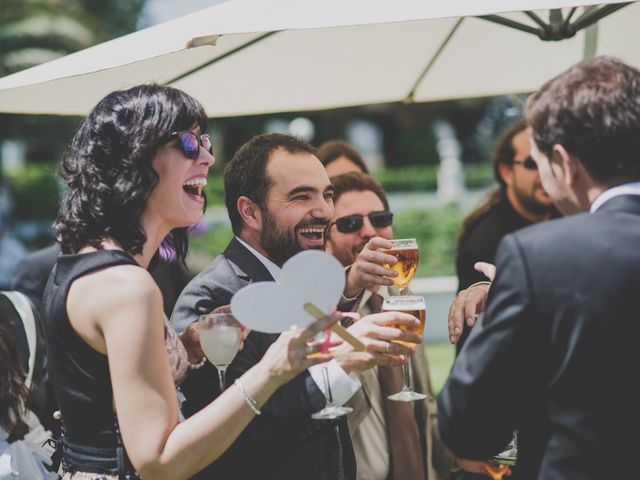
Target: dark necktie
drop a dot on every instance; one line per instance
(402, 429)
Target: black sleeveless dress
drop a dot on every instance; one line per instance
(91, 442)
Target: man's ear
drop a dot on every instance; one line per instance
(506, 173)
(567, 164)
(250, 213)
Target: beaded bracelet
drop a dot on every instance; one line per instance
(198, 365)
(248, 399)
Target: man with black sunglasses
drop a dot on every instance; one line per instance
(517, 202)
(390, 439)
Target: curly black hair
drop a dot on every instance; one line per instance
(108, 172)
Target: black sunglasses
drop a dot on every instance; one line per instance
(353, 223)
(190, 143)
(528, 163)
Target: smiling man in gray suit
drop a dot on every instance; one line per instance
(555, 355)
(280, 202)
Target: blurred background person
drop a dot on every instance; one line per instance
(518, 201)
(339, 157)
(24, 450)
(11, 252)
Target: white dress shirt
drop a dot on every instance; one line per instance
(624, 189)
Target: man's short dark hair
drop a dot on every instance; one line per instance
(246, 173)
(359, 182)
(334, 149)
(593, 111)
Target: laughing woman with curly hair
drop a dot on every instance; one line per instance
(135, 173)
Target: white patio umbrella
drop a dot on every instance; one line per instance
(257, 56)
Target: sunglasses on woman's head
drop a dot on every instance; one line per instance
(528, 163)
(353, 223)
(190, 143)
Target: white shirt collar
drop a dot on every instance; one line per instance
(273, 269)
(624, 189)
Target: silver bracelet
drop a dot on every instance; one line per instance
(248, 399)
(198, 365)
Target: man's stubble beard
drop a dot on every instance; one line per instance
(349, 257)
(530, 203)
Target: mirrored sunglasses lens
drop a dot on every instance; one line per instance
(190, 144)
(381, 219)
(349, 224)
(206, 143)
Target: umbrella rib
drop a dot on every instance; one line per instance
(567, 20)
(410, 96)
(510, 23)
(589, 17)
(536, 19)
(221, 57)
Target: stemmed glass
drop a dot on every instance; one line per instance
(219, 339)
(499, 465)
(413, 305)
(330, 410)
(406, 251)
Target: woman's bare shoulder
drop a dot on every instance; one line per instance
(103, 289)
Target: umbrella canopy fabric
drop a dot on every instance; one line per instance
(246, 57)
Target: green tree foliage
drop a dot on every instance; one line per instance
(436, 230)
(35, 193)
(37, 31)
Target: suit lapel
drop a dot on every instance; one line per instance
(247, 266)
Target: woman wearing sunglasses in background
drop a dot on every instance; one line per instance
(135, 172)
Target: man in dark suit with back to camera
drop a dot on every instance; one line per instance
(280, 202)
(555, 354)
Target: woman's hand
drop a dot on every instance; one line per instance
(287, 357)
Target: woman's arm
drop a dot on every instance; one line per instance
(124, 319)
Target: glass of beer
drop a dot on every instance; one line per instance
(406, 251)
(219, 339)
(413, 305)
